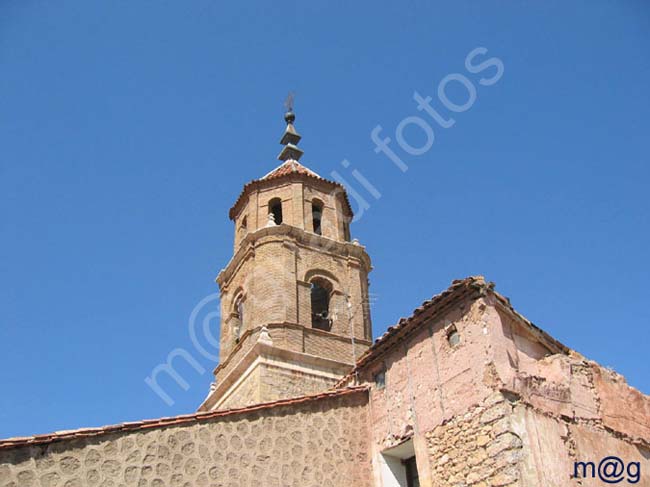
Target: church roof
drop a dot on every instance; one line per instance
(471, 287)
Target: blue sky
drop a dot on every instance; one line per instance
(128, 129)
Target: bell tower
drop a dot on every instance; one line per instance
(295, 314)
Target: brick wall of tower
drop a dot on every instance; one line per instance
(285, 192)
(279, 383)
(268, 383)
(268, 283)
(247, 393)
(273, 274)
(297, 198)
(298, 339)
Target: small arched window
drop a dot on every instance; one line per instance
(238, 321)
(243, 227)
(320, 304)
(316, 216)
(275, 208)
(346, 231)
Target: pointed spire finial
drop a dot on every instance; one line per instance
(290, 137)
(289, 117)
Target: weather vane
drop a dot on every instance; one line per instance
(288, 103)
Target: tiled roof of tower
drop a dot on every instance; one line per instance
(289, 168)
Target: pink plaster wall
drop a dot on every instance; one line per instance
(563, 406)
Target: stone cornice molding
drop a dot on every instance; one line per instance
(265, 352)
(246, 336)
(322, 184)
(355, 254)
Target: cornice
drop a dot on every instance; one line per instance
(312, 180)
(354, 253)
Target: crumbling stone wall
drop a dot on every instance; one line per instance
(569, 410)
(506, 442)
(479, 448)
(427, 379)
(503, 404)
(316, 443)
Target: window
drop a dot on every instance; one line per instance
(243, 227)
(412, 478)
(320, 304)
(316, 216)
(453, 337)
(380, 379)
(346, 231)
(238, 319)
(275, 209)
(398, 467)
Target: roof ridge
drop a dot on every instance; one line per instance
(471, 284)
(294, 167)
(290, 168)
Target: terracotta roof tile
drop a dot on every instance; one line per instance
(470, 286)
(169, 421)
(289, 168)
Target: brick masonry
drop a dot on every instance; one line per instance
(268, 283)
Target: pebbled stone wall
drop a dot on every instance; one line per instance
(322, 442)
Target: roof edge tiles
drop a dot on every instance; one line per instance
(173, 420)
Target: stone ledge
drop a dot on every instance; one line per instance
(265, 353)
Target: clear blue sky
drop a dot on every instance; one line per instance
(127, 130)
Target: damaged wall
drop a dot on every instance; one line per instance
(429, 381)
(505, 405)
(478, 448)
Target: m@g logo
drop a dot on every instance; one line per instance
(611, 470)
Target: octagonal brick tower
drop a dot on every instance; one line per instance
(295, 314)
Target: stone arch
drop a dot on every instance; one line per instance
(325, 299)
(237, 314)
(320, 303)
(275, 209)
(317, 208)
(322, 273)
